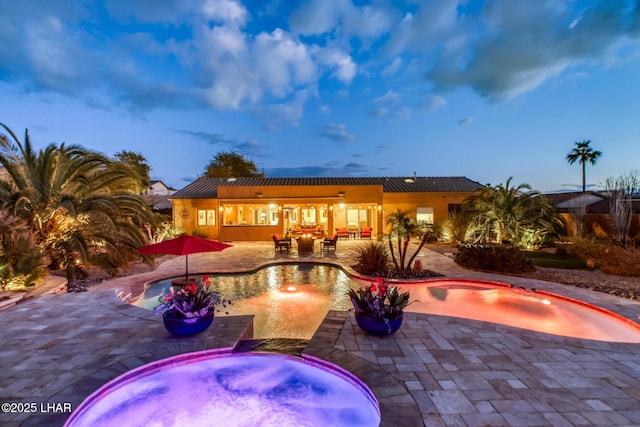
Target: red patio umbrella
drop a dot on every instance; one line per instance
(183, 245)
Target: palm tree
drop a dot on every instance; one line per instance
(77, 202)
(583, 153)
(403, 228)
(506, 212)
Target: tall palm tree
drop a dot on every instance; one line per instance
(505, 212)
(583, 153)
(77, 202)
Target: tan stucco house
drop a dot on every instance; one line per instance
(242, 209)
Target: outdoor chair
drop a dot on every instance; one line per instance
(365, 233)
(327, 243)
(281, 244)
(342, 232)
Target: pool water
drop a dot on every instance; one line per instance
(287, 301)
(219, 388)
(291, 301)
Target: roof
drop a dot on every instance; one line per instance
(592, 202)
(208, 187)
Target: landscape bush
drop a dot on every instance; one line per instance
(492, 257)
(606, 256)
(373, 259)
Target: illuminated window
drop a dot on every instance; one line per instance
(251, 214)
(206, 217)
(424, 214)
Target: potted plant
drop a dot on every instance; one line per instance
(379, 308)
(189, 309)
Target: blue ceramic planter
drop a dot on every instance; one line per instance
(378, 327)
(182, 327)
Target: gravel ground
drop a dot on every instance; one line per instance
(595, 280)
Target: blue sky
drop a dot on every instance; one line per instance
(484, 89)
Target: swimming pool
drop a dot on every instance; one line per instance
(291, 300)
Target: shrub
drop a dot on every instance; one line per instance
(609, 258)
(454, 228)
(373, 259)
(501, 258)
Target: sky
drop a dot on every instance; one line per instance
(487, 89)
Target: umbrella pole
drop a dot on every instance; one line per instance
(186, 269)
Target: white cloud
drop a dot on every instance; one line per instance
(318, 17)
(434, 103)
(226, 11)
(344, 69)
(392, 68)
(390, 105)
(389, 98)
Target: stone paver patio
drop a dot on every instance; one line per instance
(435, 371)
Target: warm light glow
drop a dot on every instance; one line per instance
(272, 205)
(341, 205)
(546, 302)
(291, 288)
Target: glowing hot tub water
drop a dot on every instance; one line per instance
(219, 388)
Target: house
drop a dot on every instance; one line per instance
(159, 188)
(242, 209)
(592, 208)
(158, 194)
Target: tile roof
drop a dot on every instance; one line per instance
(208, 187)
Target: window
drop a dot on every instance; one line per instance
(206, 217)
(251, 214)
(424, 214)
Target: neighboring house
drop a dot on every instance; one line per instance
(594, 206)
(244, 209)
(159, 188)
(158, 195)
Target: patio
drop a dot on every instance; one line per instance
(436, 371)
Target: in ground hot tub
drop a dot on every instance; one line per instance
(219, 388)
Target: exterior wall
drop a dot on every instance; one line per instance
(159, 189)
(369, 201)
(411, 201)
(335, 200)
(185, 216)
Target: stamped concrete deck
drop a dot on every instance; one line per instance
(435, 371)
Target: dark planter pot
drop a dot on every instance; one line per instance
(378, 327)
(181, 327)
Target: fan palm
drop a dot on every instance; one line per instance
(77, 202)
(505, 212)
(583, 153)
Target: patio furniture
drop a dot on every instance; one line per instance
(342, 232)
(281, 244)
(327, 244)
(365, 233)
(305, 244)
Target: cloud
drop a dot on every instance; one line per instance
(526, 45)
(276, 115)
(392, 68)
(332, 169)
(390, 105)
(433, 104)
(318, 17)
(208, 137)
(466, 121)
(337, 132)
(250, 147)
(226, 12)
